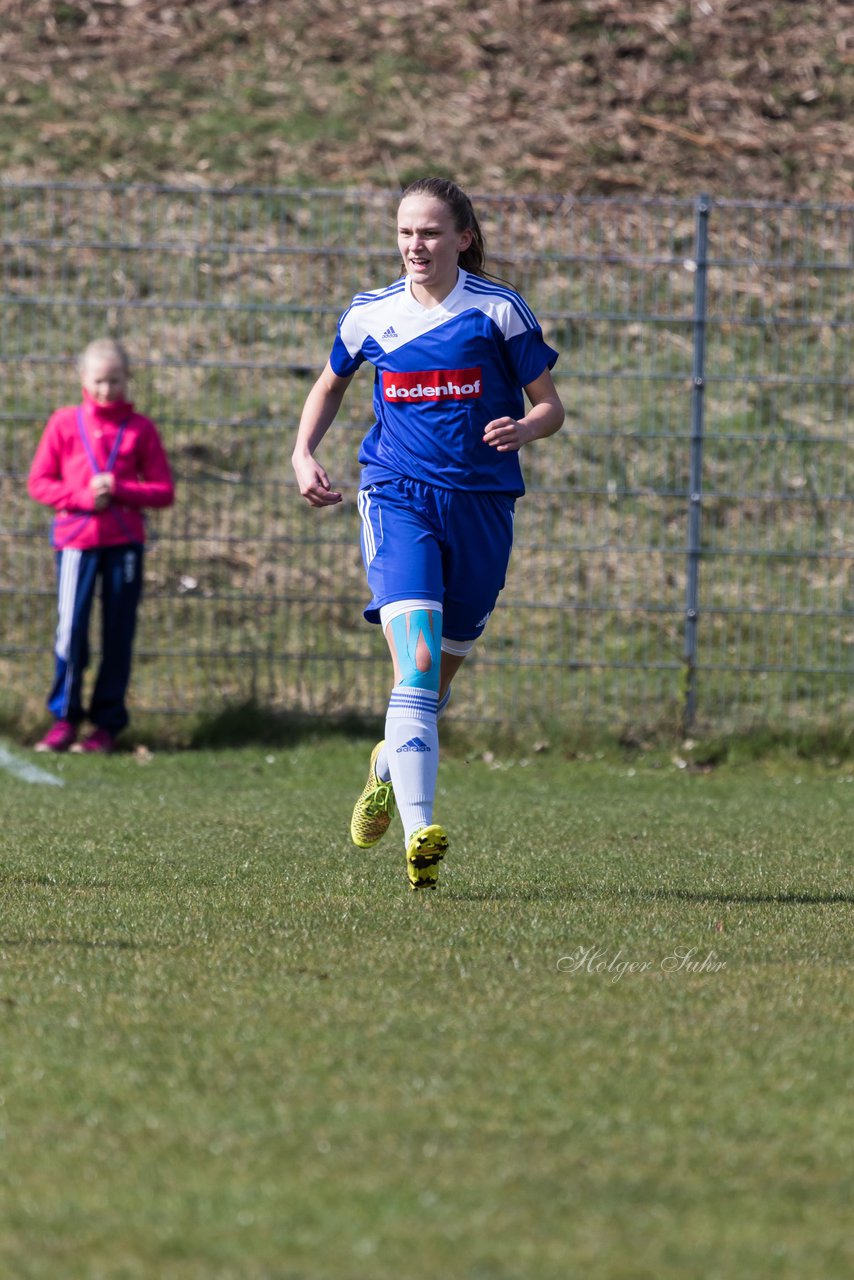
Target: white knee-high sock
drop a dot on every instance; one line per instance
(412, 752)
(381, 768)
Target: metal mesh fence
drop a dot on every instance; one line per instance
(684, 551)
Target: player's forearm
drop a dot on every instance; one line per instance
(313, 426)
(543, 420)
(321, 405)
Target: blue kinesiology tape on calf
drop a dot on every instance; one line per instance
(407, 630)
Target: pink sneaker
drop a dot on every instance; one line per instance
(59, 736)
(100, 740)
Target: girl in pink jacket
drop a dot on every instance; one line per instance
(98, 464)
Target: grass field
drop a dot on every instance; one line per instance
(615, 1044)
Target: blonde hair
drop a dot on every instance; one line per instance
(104, 348)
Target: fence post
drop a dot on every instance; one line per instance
(695, 470)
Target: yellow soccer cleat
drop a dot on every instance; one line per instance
(426, 849)
(373, 810)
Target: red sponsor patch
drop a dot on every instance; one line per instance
(432, 384)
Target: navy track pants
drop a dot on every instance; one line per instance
(119, 570)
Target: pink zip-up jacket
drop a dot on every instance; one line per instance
(80, 440)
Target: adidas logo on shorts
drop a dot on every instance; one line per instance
(414, 744)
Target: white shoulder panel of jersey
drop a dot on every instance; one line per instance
(503, 305)
(356, 322)
(390, 320)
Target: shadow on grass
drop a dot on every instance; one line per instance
(249, 724)
(50, 882)
(746, 899)
(581, 893)
(87, 944)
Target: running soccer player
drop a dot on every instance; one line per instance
(455, 353)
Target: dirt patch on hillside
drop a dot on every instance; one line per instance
(742, 98)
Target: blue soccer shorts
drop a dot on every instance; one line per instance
(420, 542)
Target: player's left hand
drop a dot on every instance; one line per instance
(506, 435)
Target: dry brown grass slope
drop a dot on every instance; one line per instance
(743, 98)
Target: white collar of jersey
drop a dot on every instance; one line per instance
(447, 302)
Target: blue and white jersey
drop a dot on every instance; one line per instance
(441, 375)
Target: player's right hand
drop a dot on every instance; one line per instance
(314, 483)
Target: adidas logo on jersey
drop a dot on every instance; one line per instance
(433, 384)
(414, 744)
(390, 332)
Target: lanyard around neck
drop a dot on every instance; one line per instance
(87, 444)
